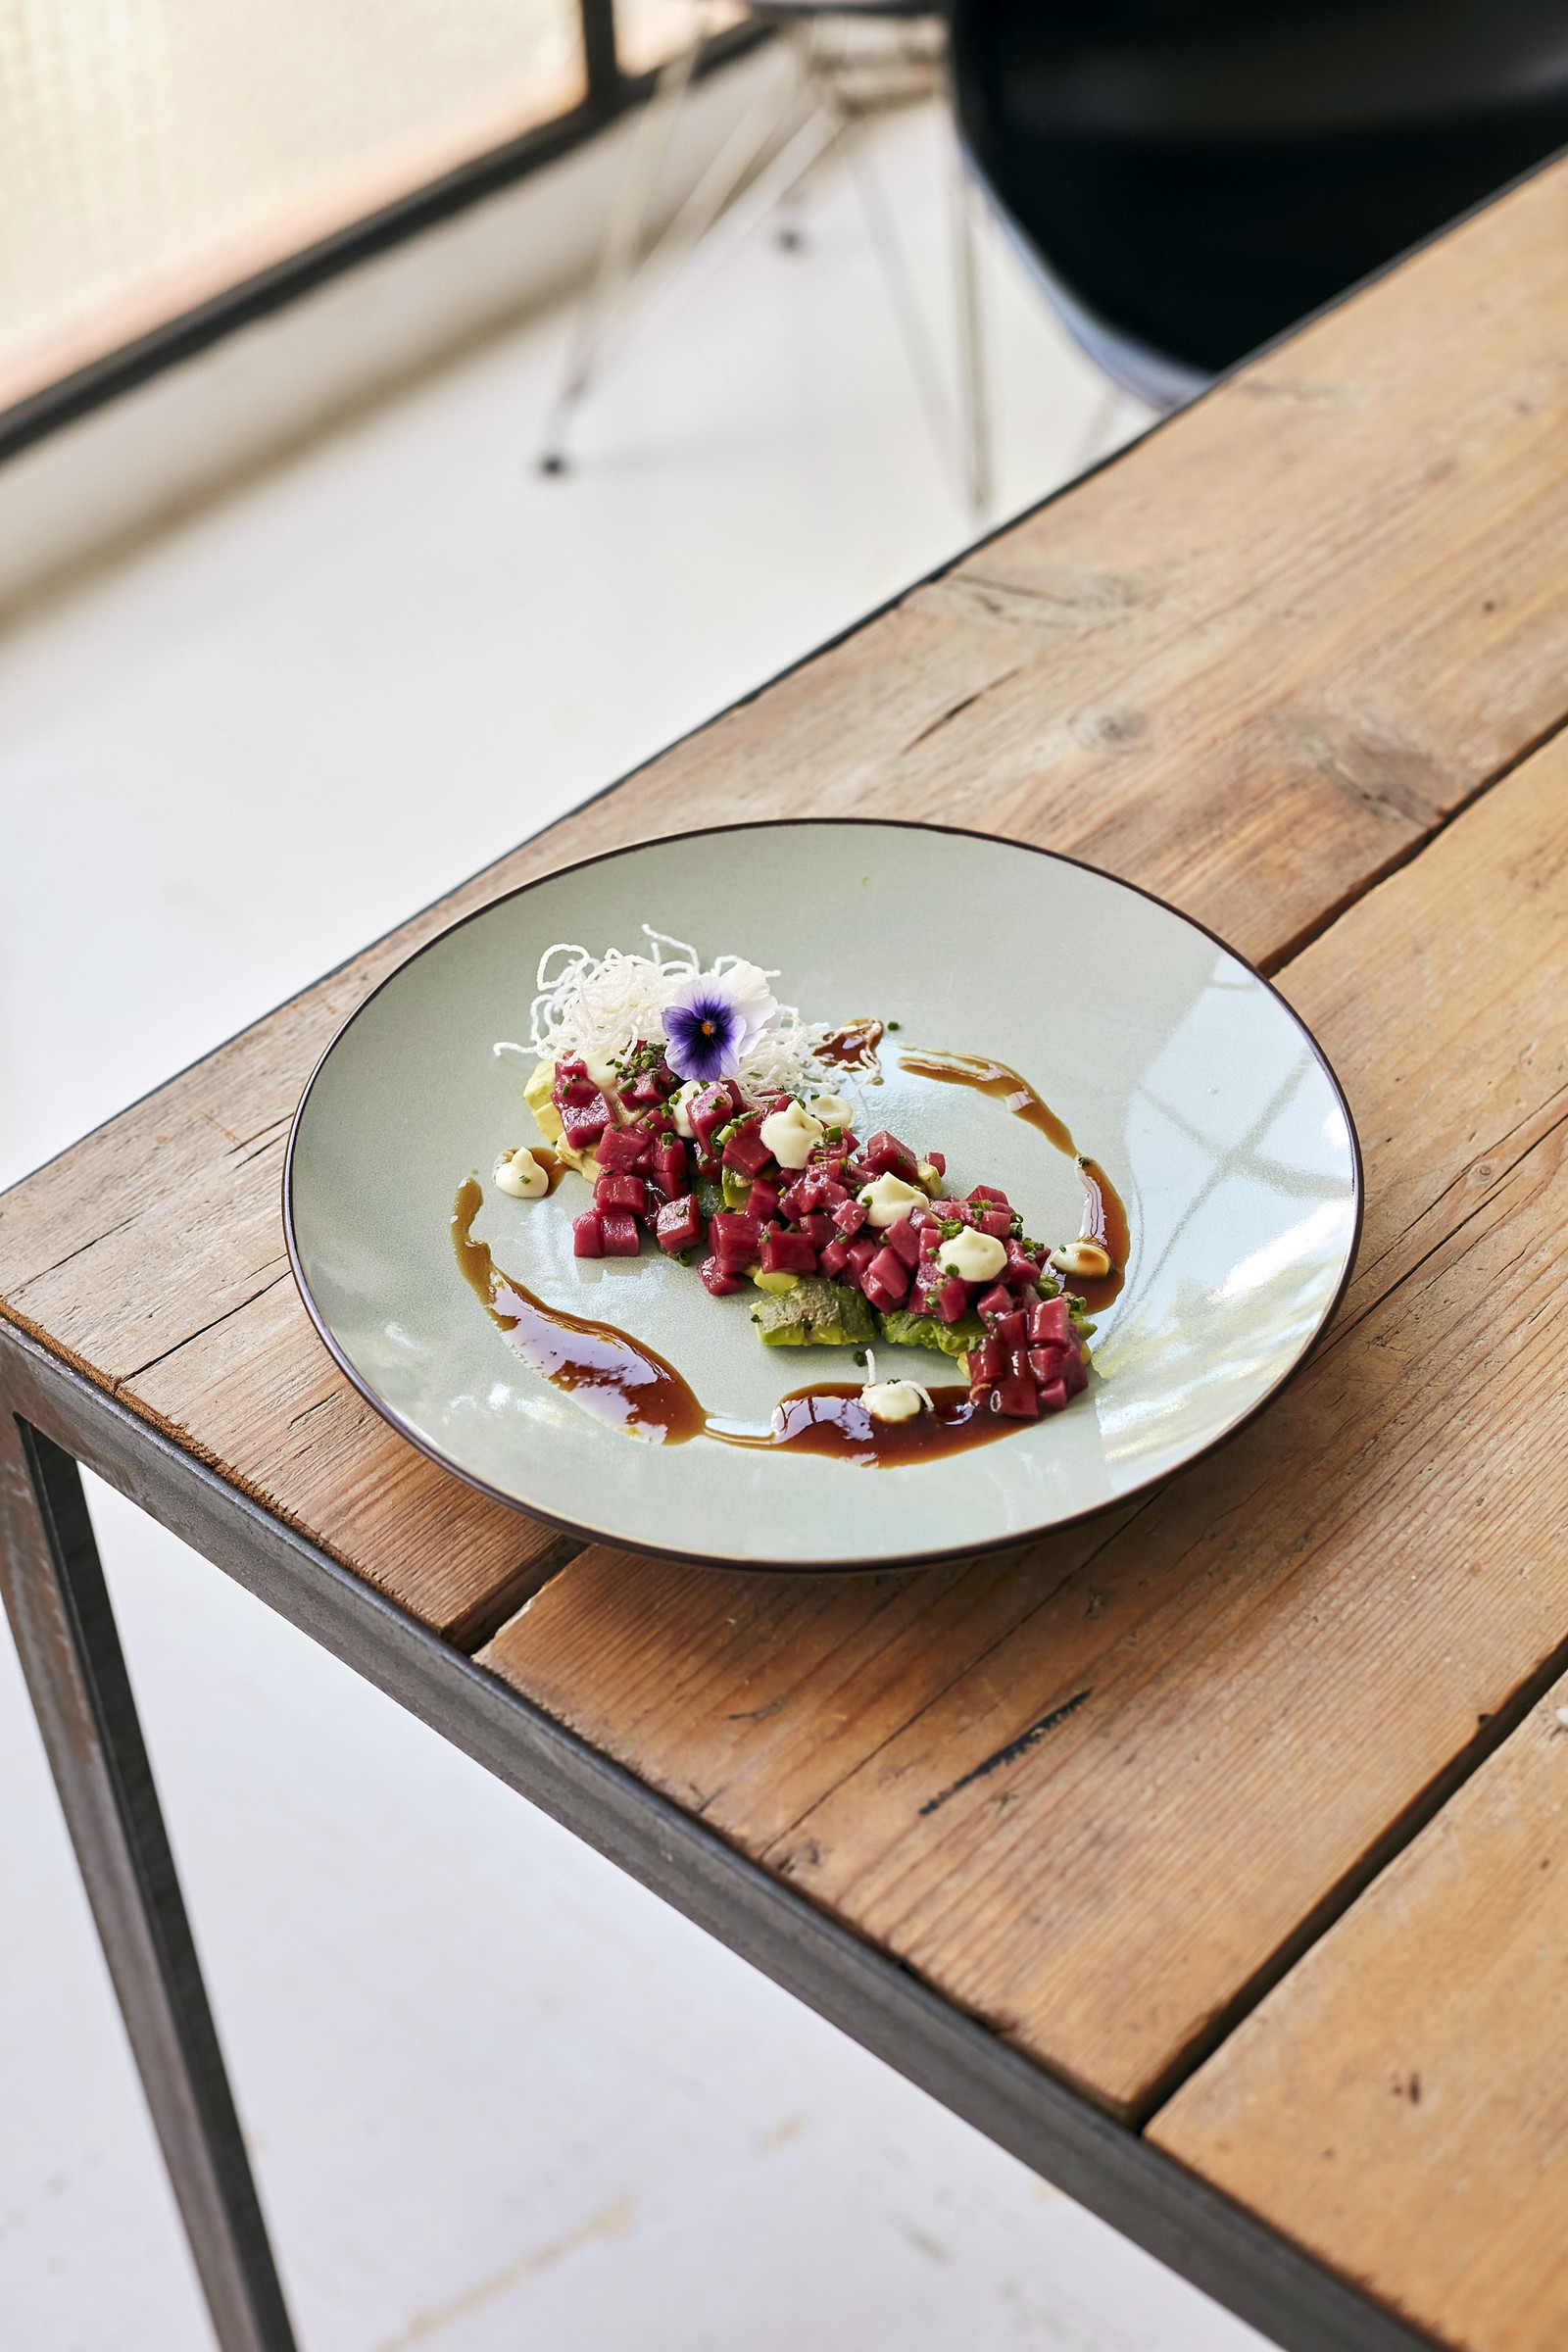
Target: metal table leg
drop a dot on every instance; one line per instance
(58, 1605)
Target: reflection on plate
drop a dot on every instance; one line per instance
(1184, 1075)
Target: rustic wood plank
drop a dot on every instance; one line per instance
(1096, 1795)
(1249, 666)
(1397, 2103)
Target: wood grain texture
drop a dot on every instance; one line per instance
(1249, 666)
(1397, 2104)
(1096, 1795)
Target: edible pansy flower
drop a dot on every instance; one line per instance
(710, 1021)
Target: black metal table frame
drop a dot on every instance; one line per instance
(53, 1419)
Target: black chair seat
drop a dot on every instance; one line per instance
(1199, 175)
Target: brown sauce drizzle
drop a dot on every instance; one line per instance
(831, 1419)
(617, 1378)
(1105, 1217)
(624, 1381)
(852, 1048)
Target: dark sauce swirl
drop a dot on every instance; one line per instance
(624, 1381)
(1105, 1217)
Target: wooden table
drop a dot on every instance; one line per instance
(1210, 1857)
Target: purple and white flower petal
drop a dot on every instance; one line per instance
(746, 986)
(705, 1032)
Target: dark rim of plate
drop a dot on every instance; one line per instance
(887, 1563)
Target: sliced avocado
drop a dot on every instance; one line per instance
(777, 1283)
(710, 1199)
(735, 1188)
(547, 1118)
(901, 1328)
(536, 1094)
(813, 1313)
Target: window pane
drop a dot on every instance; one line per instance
(647, 31)
(155, 152)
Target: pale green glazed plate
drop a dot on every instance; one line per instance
(1173, 1063)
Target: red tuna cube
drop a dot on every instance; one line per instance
(762, 1200)
(930, 1239)
(1016, 1395)
(621, 1192)
(717, 1281)
(623, 1149)
(998, 1300)
(736, 1238)
(710, 1111)
(794, 1201)
(587, 1241)
(937, 1161)
(904, 1240)
(679, 1224)
(1050, 1325)
(818, 1229)
(848, 1217)
(832, 1260)
(858, 1257)
(746, 1153)
(1022, 1269)
(644, 1090)
(886, 1279)
(572, 1083)
(952, 1302)
(998, 1222)
(885, 1155)
(1047, 1364)
(669, 1167)
(1053, 1396)
(830, 1193)
(980, 1193)
(788, 1253)
(585, 1124)
(987, 1362)
(1012, 1330)
(619, 1229)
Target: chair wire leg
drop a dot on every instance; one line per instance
(58, 1605)
(620, 252)
(974, 391)
(905, 300)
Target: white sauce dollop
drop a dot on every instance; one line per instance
(973, 1256)
(1086, 1257)
(792, 1135)
(889, 1198)
(892, 1400)
(521, 1174)
(833, 1110)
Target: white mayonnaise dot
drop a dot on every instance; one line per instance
(889, 1198)
(892, 1401)
(833, 1110)
(601, 1069)
(1085, 1257)
(521, 1174)
(680, 1109)
(972, 1257)
(792, 1135)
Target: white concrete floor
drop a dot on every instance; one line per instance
(499, 2097)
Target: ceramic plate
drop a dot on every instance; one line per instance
(1173, 1064)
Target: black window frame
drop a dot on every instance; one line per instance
(609, 92)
